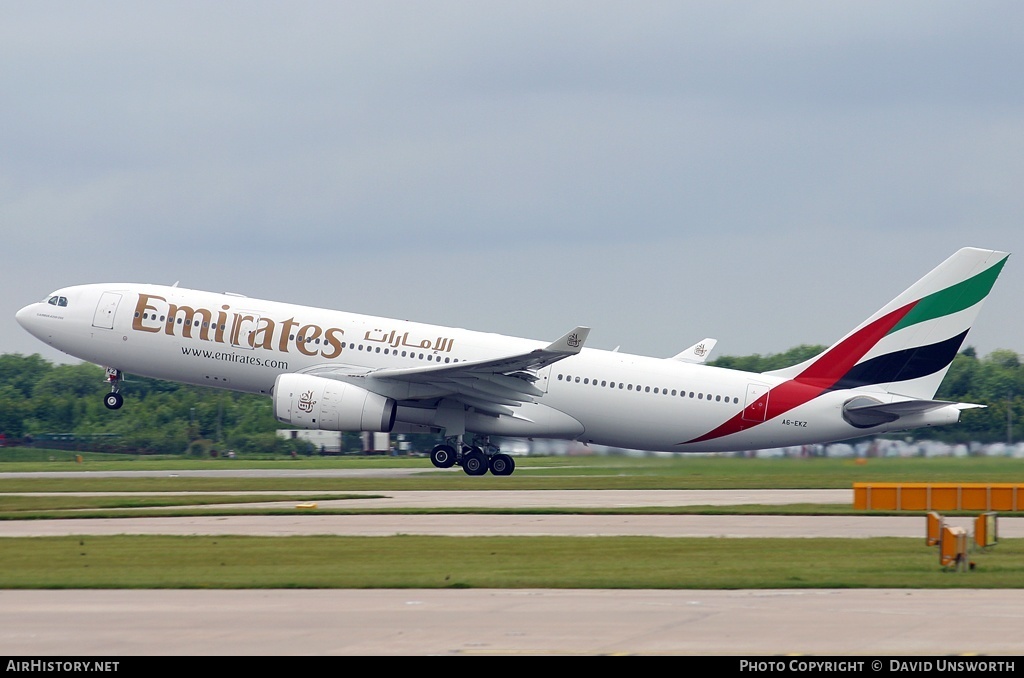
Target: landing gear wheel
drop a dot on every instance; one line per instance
(442, 456)
(502, 465)
(474, 463)
(113, 401)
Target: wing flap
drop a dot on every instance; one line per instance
(493, 385)
(489, 388)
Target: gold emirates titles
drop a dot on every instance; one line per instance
(228, 326)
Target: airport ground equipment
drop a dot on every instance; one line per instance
(1005, 497)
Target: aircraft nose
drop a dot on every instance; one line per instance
(25, 316)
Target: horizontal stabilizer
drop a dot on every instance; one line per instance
(865, 412)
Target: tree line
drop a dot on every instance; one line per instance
(40, 399)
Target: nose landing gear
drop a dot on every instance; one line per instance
(114, 399)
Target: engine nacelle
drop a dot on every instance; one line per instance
(314, 402)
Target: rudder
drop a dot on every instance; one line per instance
(907, 346)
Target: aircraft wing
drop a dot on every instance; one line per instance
(495, 385)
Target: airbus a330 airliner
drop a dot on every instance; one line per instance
(339, 371)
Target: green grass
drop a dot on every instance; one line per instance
(493, 562)
(550, 473)
(66, 506)
(505, 562)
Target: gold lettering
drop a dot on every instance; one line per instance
(222, 322)
(332, 340)
(236, 327)
(309, 334)
(255, 330)
(286, 329)
(267, 330)
(172, 313)
(188, 321)
(141, 308)
(204, 316)
(237, 324)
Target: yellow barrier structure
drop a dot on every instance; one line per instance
(953, 548)
(934, 529)
(952, 541)
(986, 532)
(939, 496)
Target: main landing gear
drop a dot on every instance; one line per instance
(114, 399)
(475, 461)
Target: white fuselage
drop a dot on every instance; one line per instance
(596, 396)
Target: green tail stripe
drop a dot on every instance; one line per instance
(956, 298)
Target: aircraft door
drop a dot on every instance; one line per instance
(243, 333)
(755, 408)
(105, 310)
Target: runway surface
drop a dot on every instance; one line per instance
(384, 524)
(510, 622)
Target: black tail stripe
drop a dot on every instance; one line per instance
(911, 363)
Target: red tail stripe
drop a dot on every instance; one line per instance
(836, 362)
(821, 375)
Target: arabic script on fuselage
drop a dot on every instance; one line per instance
(154, 313)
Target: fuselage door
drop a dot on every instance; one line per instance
(243, 334)
(755, 408)
(105, 310)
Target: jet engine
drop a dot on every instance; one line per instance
(315, 402)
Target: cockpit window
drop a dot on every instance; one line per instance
(57, 301)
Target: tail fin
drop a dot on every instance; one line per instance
(909, 344)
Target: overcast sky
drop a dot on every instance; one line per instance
(765, 173)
